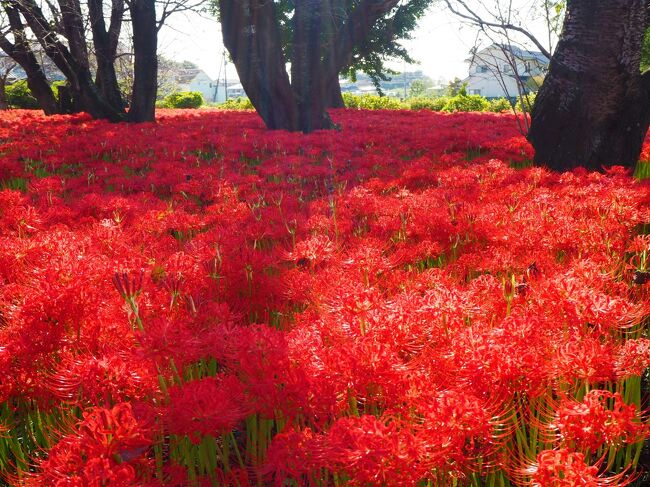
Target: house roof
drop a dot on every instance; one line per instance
(187, 75)
(516, 51)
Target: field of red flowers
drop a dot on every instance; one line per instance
(403, 302)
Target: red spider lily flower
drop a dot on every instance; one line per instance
(632, 358)
(590, 423)
(210, 406)
(128, 286)
(109, 448)
(588, 359)
(313, 251)
(563, 468)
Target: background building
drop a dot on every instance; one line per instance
(501, 71)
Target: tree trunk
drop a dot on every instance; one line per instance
(593, 108)
(335, 97)
(251, 35)
(306, 67)
(3, 93)
(145, 46)
(106, 77)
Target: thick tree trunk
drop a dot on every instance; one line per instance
(250, 33)
(593, 109)
(105, 49)
(252, 36)
(334, 95)
(306, 67)
(145, 46)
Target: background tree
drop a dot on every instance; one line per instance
(62, 36)
(319, 38)
(82, 40)
(593, 108)
(382, 43)
(420, 87)
(14, 41)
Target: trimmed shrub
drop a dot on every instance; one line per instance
(466, 103)
(183, 99)
(236, 104)
(499, 105)
(528, 102)
(19, 96)
(372, 102)
(434, 104)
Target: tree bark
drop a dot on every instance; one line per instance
(3, 93)
(306, 67)
(334, 95)
(252, 37)
(593, 109)
(105, 49)
(145, 46)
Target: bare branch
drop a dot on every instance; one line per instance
(474, 18)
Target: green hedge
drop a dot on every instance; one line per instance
(500, 105)
(434, 104)
(182, 99)
(19, 96)
(236, 104)
(528, 102)
(459, 103)
(466, 103)
(371, 102)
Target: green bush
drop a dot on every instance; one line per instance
(499, 105)
(434, 104)
(528, 102)
(183, 99)
(55, 88)
(372, 102)
(19, 96)
(466, 103)
(236, 104)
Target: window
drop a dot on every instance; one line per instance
(507, 68)
(475, 92)
(481, 69)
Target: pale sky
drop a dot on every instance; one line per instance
(441, 43)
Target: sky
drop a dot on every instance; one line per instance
(441, 43)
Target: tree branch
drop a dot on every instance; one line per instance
(476, 19)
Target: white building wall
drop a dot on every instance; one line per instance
(211, 92)
(492, 75)
(490, 86)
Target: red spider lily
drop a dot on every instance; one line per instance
(109, 448)
(590, 423)
(211, 406)
(335, 307)
(128, 287)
